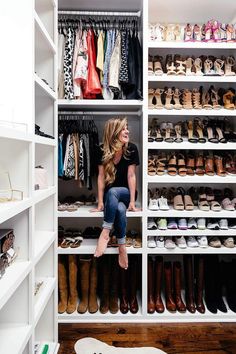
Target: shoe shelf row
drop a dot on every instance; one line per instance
(191, 45)
(179, 78)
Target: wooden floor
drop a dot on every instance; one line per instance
(217, 338)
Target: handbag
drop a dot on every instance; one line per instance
(41, 178)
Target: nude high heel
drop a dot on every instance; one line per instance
(229, 63)
(150, 98)
(189, 65)
(198, 66)
(218, 65)
(176, 99)
(196, 99)
(228, 100)
(170, 67)
(168, 98)
(187, 99)
(157, 94)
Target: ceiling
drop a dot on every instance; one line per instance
(104, 5)
(193, 11)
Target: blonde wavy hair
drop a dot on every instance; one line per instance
(112, 144)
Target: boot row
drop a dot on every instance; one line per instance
(97, 279)
(173, 285)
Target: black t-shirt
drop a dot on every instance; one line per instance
(132, 158)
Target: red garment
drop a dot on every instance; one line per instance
(93, 82)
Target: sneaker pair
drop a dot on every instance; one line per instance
(158, 204)
(198, 241)
(182, 224)
(214, 224)
(172, 242)
(155, 241)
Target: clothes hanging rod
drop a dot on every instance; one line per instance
(100, 13)
(100, 113)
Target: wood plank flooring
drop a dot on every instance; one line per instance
(192, 338)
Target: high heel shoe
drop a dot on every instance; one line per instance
(218, 65)
(180, 64)
(167, 130)
(168, 98)
(190, 165)
(208, 64)
(182, 170)
(191, 137)
(200, 165)
(196, 96)
(170, 67)
(189, 66)
(158, 96)
(199, 127)
(151, 98)
(187, 99)
(206, 100)
(198, 66)
(214, 98)
(178, 131)
(211, 132)
(150, 65)
(220, 169)
(229, 63)
(228, 99)
(176, 98)
(157, 65)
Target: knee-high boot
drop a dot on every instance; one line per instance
(124, 306)
(93, 280)
(158, 276)
(84, 284)
(105, 272)
(133, 285)
(170, 304)
(199, 282)
(177, 288)
(62, 285)
(189, 290)
(114, 283)
(151, 303)
(73, 293)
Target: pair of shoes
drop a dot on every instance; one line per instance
(72, 239)
(182, 200)
(155, 65)
(215, 242)
(133, 239)
(155, 241)
(157, 201)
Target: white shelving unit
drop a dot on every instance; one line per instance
(35, 235)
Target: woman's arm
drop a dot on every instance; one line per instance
(101, 186)
(132, 187)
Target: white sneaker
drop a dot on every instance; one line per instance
(151, 225)
(191, 241)
(162, 224)
(160, 241)
(169, 243)
(163, 204)
(180, 241)
(202, 241)
(201, 223)
(182, 224)
(151, 242)
(223, 224)
(192, 224)
(153, 204)
(213, 225)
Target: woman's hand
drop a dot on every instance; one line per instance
(100, 207)
(132, 207)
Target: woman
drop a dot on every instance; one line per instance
(117, 161)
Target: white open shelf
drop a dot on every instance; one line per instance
(44, 87)
(192, 78)
(193, 250)
(40, 26)
(191, 179)
(10, 209)
(196, 213)
(44, 141)
(12, 278)
(43, 240)
(193, 45)
(88, 247)
(40, 195)
(192, 112)
(42, 297)
(19, 333)
(8, 133)
(186, 145)
(191, 232)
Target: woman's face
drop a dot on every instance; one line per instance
(124, 135)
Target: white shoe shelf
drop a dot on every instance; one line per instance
(23, 318)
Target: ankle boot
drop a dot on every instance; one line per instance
(177, 288)
(133, 285)
(199, 278)
(151, 303)
(104, 298)
(124, 306)
(84, 284)
(73, 293)
(170, 304)
(93, 304)
(189, 294)
(114, 283)
(159, 270)
(62, 285)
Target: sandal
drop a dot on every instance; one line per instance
(158, 71)
(230, 165)
(188, 203)
(160, 164)
(200, 168)
(190, 165)
(176, 99)
(168, 98)
(67, 241)
(150, 65)
(170, 67)
(187, 99)
(178, 200)
(199, 127)
(191, 138)
(157, 94)
(182, 170)
(151, 166)
(220, 170)
(209, 166)
(77, 241)
(171, 166)
(178, 131)
(151, 92)
(202, 201)
(215, 206)
(167, 129)
(137, 242)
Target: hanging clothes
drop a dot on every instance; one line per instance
(60, 65)
(68, 60)
(114, 68)
(93, 82)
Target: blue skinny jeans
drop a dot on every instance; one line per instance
(116, 201)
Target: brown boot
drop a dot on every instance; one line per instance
(170, 304)
(159, 270)
(189, 294)
(62, 285)
(114, 283)
(151, 303)
(177, 288)
(133, 285)
(124, 306)
(84, 284)
(199, 276)
(73, 293)
(104, 300)
(93, 304)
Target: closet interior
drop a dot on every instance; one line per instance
(177, 89)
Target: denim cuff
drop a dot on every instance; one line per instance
(121, 241)
(107, 225)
